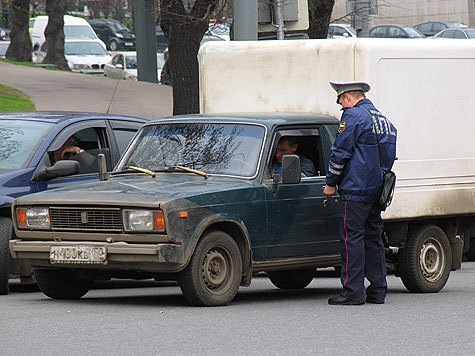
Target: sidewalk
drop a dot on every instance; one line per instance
(67, 91)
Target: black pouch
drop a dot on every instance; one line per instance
(389, 182)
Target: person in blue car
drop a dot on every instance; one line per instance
(67, 150)
(355, 169)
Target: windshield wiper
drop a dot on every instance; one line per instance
(129, 169)
(186, 169)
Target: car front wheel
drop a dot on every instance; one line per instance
(213, 274)
(5, 236)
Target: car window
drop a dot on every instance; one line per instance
(123, 138)
(90, 140)
(437, 27)
(228, 149)
(448, 34)
(78, 32)
(460, 34)
(131, 62)
(3, 48)
(425, 27)
(396, 32)
(84, 48)
(340, 31)
(19, 140)
(117, 26)
(117, 59)
(413, 33)
(470, 33)
(379, 32)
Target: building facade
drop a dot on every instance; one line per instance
(411, 12)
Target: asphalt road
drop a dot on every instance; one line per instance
(67, 91)
(153, 318)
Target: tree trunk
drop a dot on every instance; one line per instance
(184, 30)
(20, 41)
(54, 33)
(319, 16)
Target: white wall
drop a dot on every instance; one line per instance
(411, 12)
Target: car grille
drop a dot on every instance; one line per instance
(95, 219)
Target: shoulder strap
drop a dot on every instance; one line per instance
(376, 133)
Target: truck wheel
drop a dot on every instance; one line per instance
(5, 236)
(213, 275)
(292, 279)
(470, 254)
(425, 261)
(62, 283)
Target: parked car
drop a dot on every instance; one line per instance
(431, 28)
(124, 66)
(74, 28)
(4, 34)
(461, 33)
(28, 142)
(336, 30)
(162, 42)
(3, 48)
(115, 35)
(394, 31)
(84, 56)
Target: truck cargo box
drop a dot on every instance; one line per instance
(425, 87)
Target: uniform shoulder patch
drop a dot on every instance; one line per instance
(342, 126)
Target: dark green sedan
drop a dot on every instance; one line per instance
(195, 199)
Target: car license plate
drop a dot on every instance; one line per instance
(78, 254)
(129, 44)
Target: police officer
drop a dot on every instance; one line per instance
(355, 168)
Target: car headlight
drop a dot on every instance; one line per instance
(33, 218)
(119, 35)
(143, 220)
(81, 66)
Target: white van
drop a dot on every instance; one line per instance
(74, 27)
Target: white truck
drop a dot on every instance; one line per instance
(425, 87)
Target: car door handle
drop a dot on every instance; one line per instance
(325, 202)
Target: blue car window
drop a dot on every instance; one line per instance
(19, 141)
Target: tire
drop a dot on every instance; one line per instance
(470, 254)
(292, 279)
(5, 236)
(426, 260)
(213, 275)
(62, 283)
(113, 45)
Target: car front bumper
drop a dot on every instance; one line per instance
(163, 257)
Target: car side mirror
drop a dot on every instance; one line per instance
(119, 66)
(61, 168)
(291, 171)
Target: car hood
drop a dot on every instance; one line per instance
(144, 191)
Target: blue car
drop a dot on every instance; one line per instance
(47, 150)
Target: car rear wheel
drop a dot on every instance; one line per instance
(62, 283)
(113, 45)
(293, 279)
(213, 275)
(5, 236)
(426, 260)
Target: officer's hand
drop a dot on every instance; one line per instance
(329, 191)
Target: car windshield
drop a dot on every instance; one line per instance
(19, 141)
(78, 32)
(412, 32)
(215, 148)
(470, 33)
(131, 62)
(84, 48)
(117, 26)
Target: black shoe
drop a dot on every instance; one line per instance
(374, 301)
(341, 300)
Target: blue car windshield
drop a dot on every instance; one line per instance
(216, 148)
(19, 141)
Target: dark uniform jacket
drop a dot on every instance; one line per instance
(354, 162)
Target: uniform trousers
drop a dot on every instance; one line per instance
(362, 251)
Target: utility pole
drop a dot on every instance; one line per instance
(360, 18)
(146, 41)
(278, 7)
(245, 20)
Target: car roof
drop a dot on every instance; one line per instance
(266, 119)
(56, 117)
